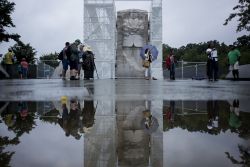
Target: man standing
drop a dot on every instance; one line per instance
(8, 61)
(233, 60)
(74, 59)
(170, 63)
(209, 62)
(65, 59)
(214, 65)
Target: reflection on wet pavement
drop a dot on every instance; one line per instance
(70, 132)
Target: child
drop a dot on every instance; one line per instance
(24, 67)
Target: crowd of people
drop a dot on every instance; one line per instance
(212, 66)
(74, 119)
(9, 60)
(77, 56)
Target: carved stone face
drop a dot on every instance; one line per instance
(134, 25)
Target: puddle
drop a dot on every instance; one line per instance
(69, 132)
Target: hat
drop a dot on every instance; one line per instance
(78, 41)
(87, 48)
(64, 99)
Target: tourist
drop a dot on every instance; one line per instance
(80, 55)
(209, 62)
(65, 59)
(147, 64)
(8, 61)
(24, 68)
(74, 59)
(214, 65)
(233, 60)
(171, 63)
(88, 64)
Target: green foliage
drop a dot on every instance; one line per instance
(243, 10)
(50, 59)
(22, 50)
(6, 8)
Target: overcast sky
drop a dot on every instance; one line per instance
(47, 24)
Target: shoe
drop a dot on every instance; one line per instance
(146, 78)
(154, 78)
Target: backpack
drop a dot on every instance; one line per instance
(60, 55)
(168, 62)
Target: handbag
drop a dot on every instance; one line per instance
(146, 64)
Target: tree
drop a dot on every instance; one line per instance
(243, 13)
(6, 8)
(26, 51)
(50, 59)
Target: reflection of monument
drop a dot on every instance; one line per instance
(132, 34)
(119, 139)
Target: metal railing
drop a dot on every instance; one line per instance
(184, 69)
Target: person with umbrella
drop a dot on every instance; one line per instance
(148, 53)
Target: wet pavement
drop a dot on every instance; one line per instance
(126, 122)
(123, 89)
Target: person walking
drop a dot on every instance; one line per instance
(8, 61)
(233, 60)
(24, 68)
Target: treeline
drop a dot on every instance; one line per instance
(196, 52)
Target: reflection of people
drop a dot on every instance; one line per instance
(213, 118)
(233, 59)
(170, 113)
(23, 110)
(70, 118)
(74, 118)
(149, 123)
(88, 117)
(234, 120)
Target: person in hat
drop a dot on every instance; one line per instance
(74, 59)
(88, 64)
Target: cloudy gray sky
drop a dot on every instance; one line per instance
(47, 24)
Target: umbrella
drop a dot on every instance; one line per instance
(151, 127)
(152, 49)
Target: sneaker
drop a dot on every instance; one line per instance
(154, 78)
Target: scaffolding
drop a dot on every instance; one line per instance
(99, 31)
